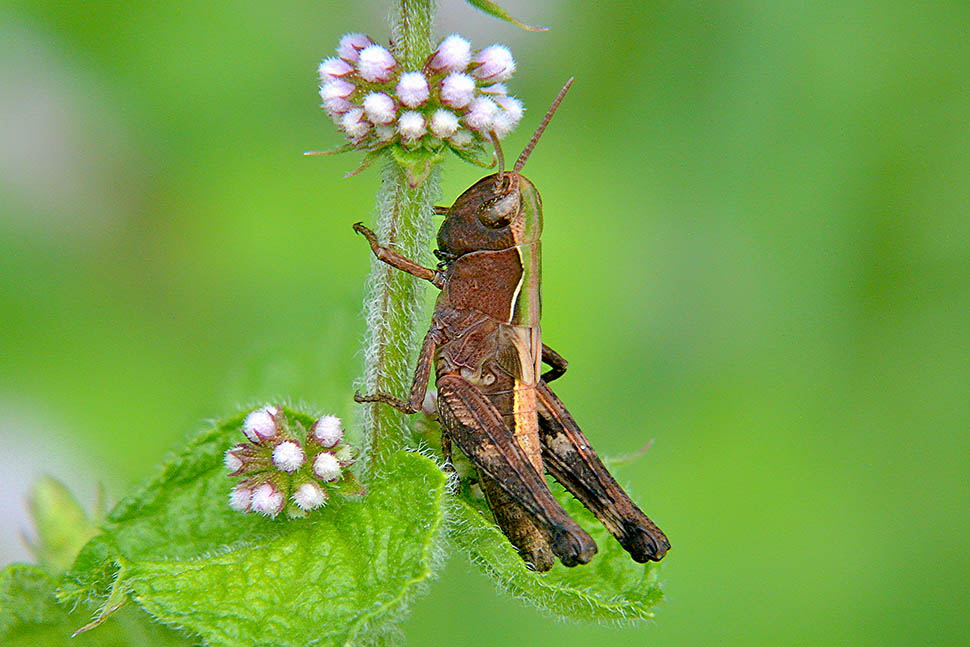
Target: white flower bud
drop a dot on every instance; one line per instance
(380, 108)
(240, 498)
(327, 431)
(412, 89)
(326, 467)
(457, 90)
(444, 123)
(334, 95)
(494, 63)
(331, 69)
(260, 425)
(452, 55)
(354, 124)
(350, 46)
(508, 117)
(480, 114)
(267, 500)
(288, 456)
(309, 496)
(411, 125)
(375, 64)
(461, 139)
(231, 461)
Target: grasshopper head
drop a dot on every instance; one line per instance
(499, 211)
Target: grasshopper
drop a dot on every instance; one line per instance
(493, 402)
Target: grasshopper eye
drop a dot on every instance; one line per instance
(498, 212)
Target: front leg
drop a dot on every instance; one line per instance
(398, 260)
(477, 428)
(419, 385)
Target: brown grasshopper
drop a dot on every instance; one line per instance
(485, 344)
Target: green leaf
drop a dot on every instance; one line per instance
(612, 587)
(496, 11)
(178, 551)
(31, 617)
(61, 524)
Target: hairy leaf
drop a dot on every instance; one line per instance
(496, 11)
(178, 551)
(31, 617)
(611, 587)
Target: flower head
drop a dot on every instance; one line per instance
(375, 64)
(379, 108)
(453, 54)
(267, 499)
(458, 100)
(260, 425)
(331, 69)
(494, 63)
(326, 467)
(288, 456)
(327, 431)
(240, 498)
(288, 470)
(412, 89)
(309, 496)
(350, 46)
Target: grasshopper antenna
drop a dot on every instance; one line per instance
(519, 163)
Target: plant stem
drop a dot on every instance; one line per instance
(394, 299)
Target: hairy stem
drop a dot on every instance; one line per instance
(394, 299)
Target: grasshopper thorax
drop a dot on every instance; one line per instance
(497, 212)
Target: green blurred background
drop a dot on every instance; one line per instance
(755, 254)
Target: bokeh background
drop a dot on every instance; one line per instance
(756, 254)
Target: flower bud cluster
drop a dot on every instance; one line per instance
(285, 466)
(457, 99)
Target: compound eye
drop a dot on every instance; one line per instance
(498, 212)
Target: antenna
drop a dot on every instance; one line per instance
(519, 163)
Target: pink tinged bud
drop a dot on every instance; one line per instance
(411, 125)
(231, 461)
(494, 63)
(354, 124)
(508, 117)
(260, 425)
(309, 496)
(350, 46)
(452, 55)
(240, 498)
(461, 139)
(334, 96)
(288, 456)
(375, 64)
(380, 108)
(457, 90)
(327, 431)
(444, 123)
(496, 88)
(326, 467)
(412, 89)
(331, 69)
(480, 114)
(267, 500)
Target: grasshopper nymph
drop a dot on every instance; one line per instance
(493, 401)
